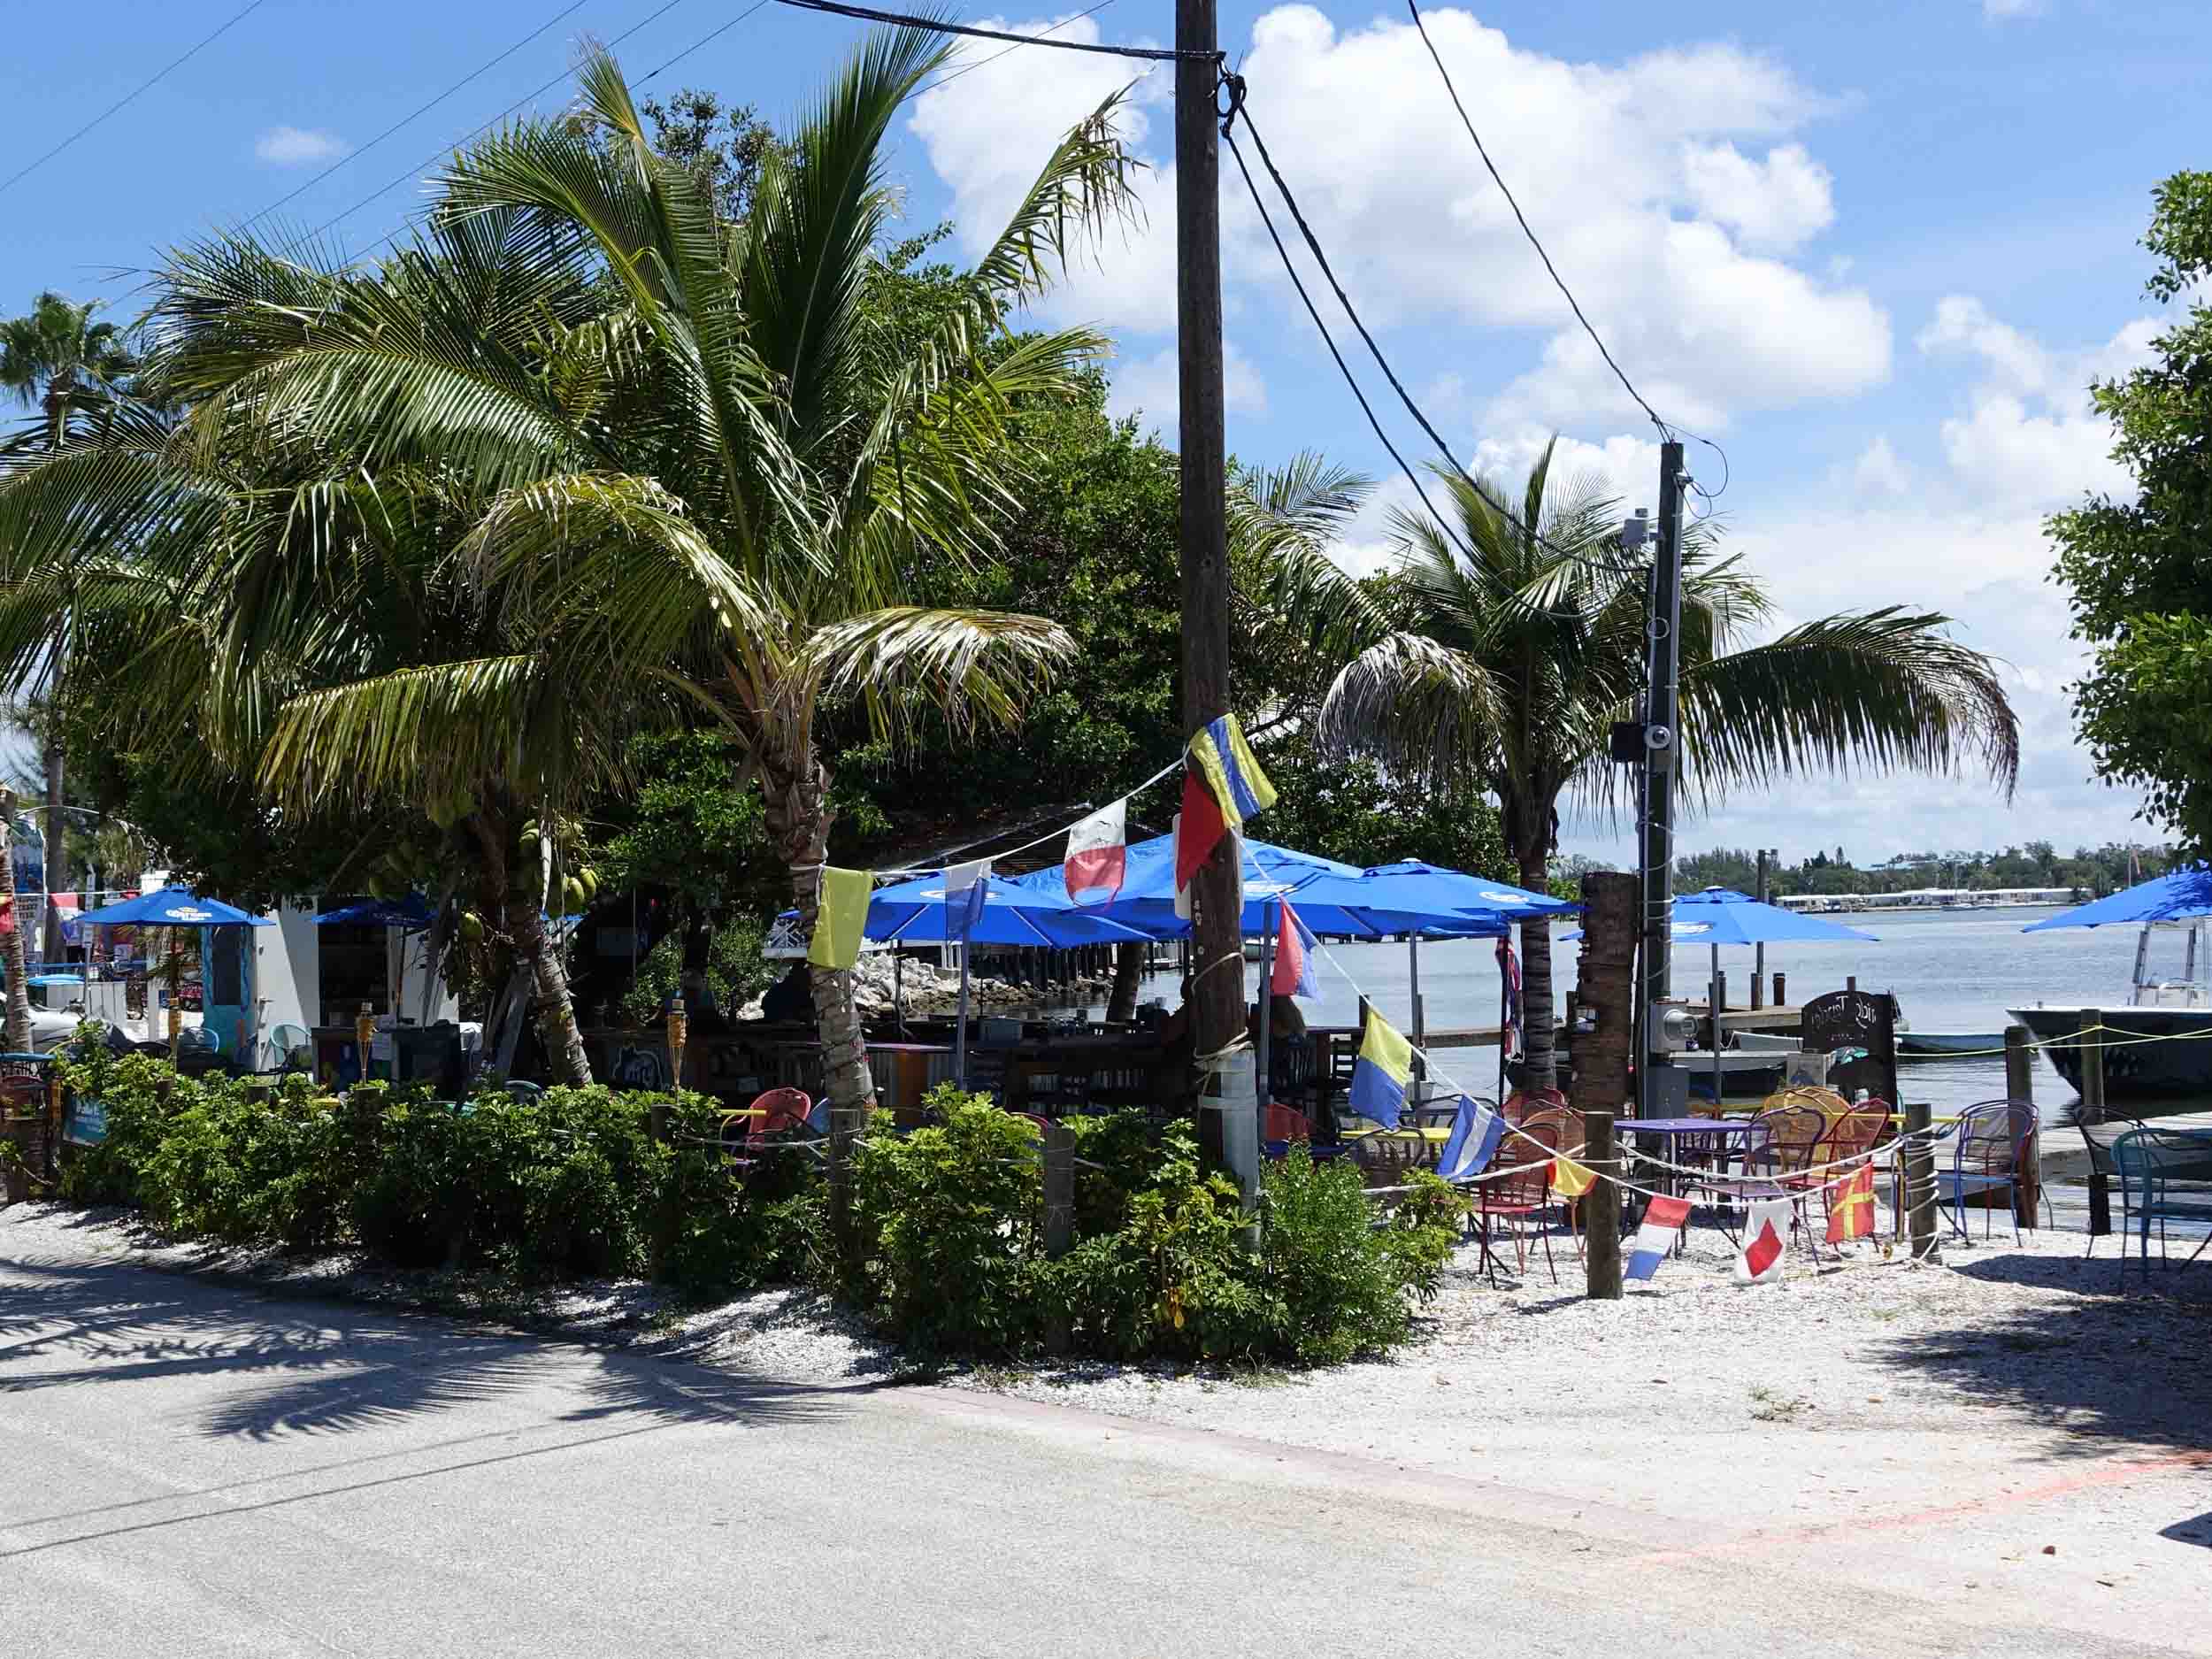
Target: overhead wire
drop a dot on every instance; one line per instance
(386, 189)
(1239, 108)
(946, 80)
(940, 26)
(145, 86)
(350, 157)
(1558, 281)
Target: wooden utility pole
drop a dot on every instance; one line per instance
(1662, 744)
(1216, 894)
(1607, 975)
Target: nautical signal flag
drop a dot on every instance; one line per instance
(1571, 1180)
(1476, 1130)
(1765, 1237)
(1199, 827)
(1381, 1074)
(1295, 945)
(1232, 771)
(1510, 974)
(1097, 860)
(965, 887)
(841, 912)
(1655, 1236)
(1851, 1205)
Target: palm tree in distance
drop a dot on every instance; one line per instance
(1512, 668)
(60, 364)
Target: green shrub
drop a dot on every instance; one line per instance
(721, 1228)
(945, 1220)
(1338, 1284)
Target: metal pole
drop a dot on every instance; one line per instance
(1420, 1025)
(1504, 999)
(1712, 999)
(1662, 748)
(1265, 1002)
(1759, 950)
(960, 1027)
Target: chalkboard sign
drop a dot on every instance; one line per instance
(1856, 1020)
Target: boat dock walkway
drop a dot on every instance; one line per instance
(1781, 1021)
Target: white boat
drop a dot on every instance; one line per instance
(2148, 1049)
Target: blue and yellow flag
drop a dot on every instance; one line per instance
(1231, 772)
(841, 912)
(1385, 1068)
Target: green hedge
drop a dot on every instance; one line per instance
(947, 1254)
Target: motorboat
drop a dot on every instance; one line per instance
(2148, 1046)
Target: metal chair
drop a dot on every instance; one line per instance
(1517, 1193)
(2167, 1175)
(291, 1050)
(777, 1110)
(1988, 1144)
(1519, 1103)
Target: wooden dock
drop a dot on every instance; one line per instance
(1780, 1021)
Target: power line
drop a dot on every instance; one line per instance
(419, 110)
(543, 87)
(1238, 108)
(1557, 281)
(710, 35)
(939, 26)
(1343, 368)
(236, 18)
(946, 81)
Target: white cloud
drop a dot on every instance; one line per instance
(298, 147)
(1625, 467)
(1150, 387)
(1663, 185)
(1776, 203)
(2001, 10)
(1879, 471)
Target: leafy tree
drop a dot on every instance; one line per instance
(725, 150)
(1511, 669)
(2135, 572)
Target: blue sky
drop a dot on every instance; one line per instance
(1876, 251)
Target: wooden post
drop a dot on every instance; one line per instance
(1851, 982)
(1920, 1185)
(2020, 1085)
(2092, 1041)
(1216, 886)
(1602, 1208)
(1059, 1228)
(1606, 971)
(679, 1034)
(1781, 989)
(1720, 1004)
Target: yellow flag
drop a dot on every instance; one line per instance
(1570, 1180)
(841, 912)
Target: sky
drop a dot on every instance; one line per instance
(1877, 253)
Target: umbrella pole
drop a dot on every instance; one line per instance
(1266, 998)
(1504, 988)
(1420, 1025)
(960, 1029)
(1712, 1007)
(898, 996)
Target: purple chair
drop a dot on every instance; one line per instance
(1988, 1144)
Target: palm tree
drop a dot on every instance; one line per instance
(1512, 667)
(673, 457)
(55, 360)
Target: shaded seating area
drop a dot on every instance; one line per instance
(2166, 1175)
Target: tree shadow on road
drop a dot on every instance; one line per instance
(2102, 1367)
(326, 1368)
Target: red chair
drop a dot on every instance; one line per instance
(777, 1112)
(1516, 1191)
(1519, 1104)
(1279, 1122)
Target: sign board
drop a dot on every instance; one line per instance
(84, 1122)
(1860, 1020)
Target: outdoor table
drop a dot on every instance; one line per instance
(1677, 1131)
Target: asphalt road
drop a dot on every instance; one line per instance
(193, 1469)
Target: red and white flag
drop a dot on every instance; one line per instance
(1766, 1236)
(1098, 855)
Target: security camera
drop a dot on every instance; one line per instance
(1658, 737)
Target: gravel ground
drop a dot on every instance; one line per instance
(2032, 1332)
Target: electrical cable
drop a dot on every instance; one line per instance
(1557, 280)
(939, 26)
(1313, 244)
(146, 84)
(946, 81)
(1343, 368)
(420, 109)
(385, 190)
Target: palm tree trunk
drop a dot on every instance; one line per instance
(1128, 972)
(15, 1037)
(795, 800)
(53, 947)
(556, 1010)
(1540, 1068)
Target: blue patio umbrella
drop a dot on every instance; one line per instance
(413, 913)
(2180, 896)
(1146, 899)
(171, 907)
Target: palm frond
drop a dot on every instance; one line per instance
(1423, 710)
(906, 663)
(1083, 187)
